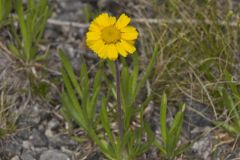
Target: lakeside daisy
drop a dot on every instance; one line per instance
(109, 37)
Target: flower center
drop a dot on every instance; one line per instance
(111, 34)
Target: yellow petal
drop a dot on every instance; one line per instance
(97, 46)
(120, 49)
(129, 36)
(128, 47)
(103, 53)
(129, 33)
(90, 43)
(94, 27)
(123, 21)
(112, 53)
(104, 20)
(112, 20)
(93, 35)
(128, 29)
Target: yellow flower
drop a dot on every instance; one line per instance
(109, 37)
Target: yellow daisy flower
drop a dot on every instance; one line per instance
(109, 37)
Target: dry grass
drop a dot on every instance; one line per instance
(14, 94)
(196, 50)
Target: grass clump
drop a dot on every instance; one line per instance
(31, 23)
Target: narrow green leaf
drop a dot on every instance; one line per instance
(74, 99)
(97, 79)
(106, 122)
(69, 106)
(148, 70)
(233, 86)
(24, 29)
(91, 109)
(84, 81)
(230, 128)
(228, 101)
(67, 66)
(124, 88)
(160, 147)
(135, 75)
(163, 116)
(174, 133)
(178, 120)
(14, 50)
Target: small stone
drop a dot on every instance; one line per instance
(26, 144)
(53, 124)
(38, 139)
(27, 156)
(54, 155)
(15, 158)
(39, 151)
(69, 49)
(203, 147)
(49, 133)
(62, 140)
(23, 134)
(12, 147)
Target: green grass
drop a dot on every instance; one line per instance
(31, 21)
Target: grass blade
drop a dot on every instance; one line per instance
(163, 116)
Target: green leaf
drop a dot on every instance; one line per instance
(134, 76)
(148, 70)
(74, 99)
(84, 81)
(230, 128)
(233, 86)
(5, 8)
(160, 147)
(174, 133)
(228, 102)
(163, 116)
(26, 33)
(67, 66)
(105, 121)
(14, 50)
(177, 121)
(68, 104)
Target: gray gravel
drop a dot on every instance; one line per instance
(54, 155)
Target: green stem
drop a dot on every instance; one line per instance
(119, 109)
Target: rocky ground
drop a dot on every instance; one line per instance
(40, 129)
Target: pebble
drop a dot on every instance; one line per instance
(38, 138)
(26, 144)
(15, 158)
(27, 156)
(203, 147)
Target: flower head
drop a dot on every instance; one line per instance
(109, 37)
